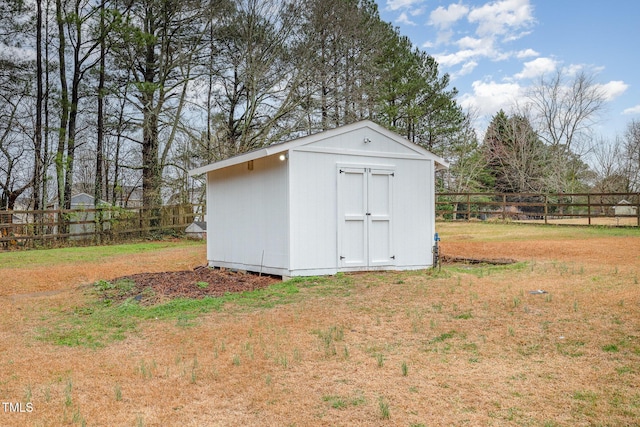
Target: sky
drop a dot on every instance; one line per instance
(495, 50)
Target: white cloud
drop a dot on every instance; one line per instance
(502, 18)
(526, 53)
(495, 23)
(451, 59)
(613, 89)
(632, 110)
(575, 69)
(444, 37)
(402, 4)
(444, 18)
(428, 45)
(536, 68)
(472, 43)
(467, 68)
(404, 19)
(489, 97)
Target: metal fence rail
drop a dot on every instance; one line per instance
(611, 209)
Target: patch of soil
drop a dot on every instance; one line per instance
(152, 288)
(466, 260)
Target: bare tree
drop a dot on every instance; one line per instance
(38, 167)
(256, 77)
(340, 46)
(631, 154)
(77, 58)
(15, 177)
(468, 166)
(608, 165)
(563, 109)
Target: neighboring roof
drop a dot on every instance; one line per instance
(289, 145)
(200, 224)
(82, 199)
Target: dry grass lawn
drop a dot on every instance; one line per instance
(468, 345)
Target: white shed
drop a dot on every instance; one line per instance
(196, 230)
(355, 198)
(625, 208)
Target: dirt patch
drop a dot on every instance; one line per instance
(152, 288)
(466, 260)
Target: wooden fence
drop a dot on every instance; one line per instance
(81, 226)
(611, 209)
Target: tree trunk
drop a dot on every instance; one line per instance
(37, 167)
(98, 183)
(64, 118)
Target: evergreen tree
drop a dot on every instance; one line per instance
(516, 157)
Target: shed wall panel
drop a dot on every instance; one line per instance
(414, 219)
(247, 215)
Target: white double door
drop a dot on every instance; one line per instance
(365, 197)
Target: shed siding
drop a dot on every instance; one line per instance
(314, 213)
(414, 213)
(247, 216)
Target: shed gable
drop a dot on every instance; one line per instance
(363, 137)
(362, 141)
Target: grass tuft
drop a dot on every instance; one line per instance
(385, 413)
(329, 338)
(443, 337)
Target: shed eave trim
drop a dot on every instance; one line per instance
(326, 150)
(264, 152)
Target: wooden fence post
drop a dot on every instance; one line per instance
(546, 209)
(504, 207)
(589, 209)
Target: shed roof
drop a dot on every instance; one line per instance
(202, 225)
(310, 139)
